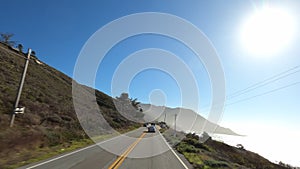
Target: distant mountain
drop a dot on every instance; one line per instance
(187, 120)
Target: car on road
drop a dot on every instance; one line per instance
(151, 129)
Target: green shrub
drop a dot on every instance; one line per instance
(53, 138)
(182, 147)
(216, 164)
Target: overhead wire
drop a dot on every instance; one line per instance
(260, 84)
(264, 93)
(265, 82)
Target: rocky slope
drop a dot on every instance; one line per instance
(213, 154)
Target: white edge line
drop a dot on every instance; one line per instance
(45, 162)
(173, 151)
(76, 151)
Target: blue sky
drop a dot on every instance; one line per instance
(57, 31)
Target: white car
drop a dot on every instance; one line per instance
(151, 129)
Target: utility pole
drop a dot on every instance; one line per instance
(165, 116)
(16, 107)
(175, 126)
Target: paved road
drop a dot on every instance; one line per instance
(135, 150)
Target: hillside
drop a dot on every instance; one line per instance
(187, 120)
(213, 154)
(49, 119)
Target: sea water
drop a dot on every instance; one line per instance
(283, 146)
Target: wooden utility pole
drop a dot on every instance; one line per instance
(175, 126)
(16, 107)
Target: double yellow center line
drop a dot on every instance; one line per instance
(116, 164)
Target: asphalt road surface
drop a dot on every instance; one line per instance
(135, 150)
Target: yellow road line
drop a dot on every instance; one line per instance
(117, 163)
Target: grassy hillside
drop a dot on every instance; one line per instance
(49, 119)
(213, 154)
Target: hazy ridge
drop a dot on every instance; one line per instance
(187, 119)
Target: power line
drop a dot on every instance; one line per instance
(262, 94)
(265, 93)
(264, 82)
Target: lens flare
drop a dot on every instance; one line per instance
(268, 31)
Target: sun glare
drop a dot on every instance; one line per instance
(267, 31)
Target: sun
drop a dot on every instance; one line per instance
(268, 31)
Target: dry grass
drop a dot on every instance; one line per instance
(50, 122)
